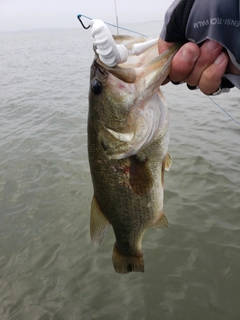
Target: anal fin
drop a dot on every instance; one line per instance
(99, 224)
(162, 222)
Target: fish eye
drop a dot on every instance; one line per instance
(96, 86)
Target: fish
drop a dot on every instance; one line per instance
(128, 137)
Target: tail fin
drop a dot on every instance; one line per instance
(124, 264)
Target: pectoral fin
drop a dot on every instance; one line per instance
(166, 165)
(99, 224)
(168, 162)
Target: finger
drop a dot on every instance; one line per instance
(209, 52)
(212, 76)
(184, 61)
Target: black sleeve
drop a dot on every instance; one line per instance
(175, 29)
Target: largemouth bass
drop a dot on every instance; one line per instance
(128, 150)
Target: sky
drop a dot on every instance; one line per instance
(17, 15)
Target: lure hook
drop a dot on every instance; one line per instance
(79, 18)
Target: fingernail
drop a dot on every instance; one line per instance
(192, 87)
(220, 59)
(212, 45)
(189, 55)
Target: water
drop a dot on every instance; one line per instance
(48, 267)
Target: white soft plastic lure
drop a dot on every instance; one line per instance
(111, 53)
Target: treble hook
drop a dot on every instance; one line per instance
(79, 18)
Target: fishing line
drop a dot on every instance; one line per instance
(224, 111)
(112, 25)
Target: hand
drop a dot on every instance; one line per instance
(198, 66)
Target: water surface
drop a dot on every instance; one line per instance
(48, 267)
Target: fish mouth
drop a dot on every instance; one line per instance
(146, 78)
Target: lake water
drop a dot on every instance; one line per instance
(48, 267)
